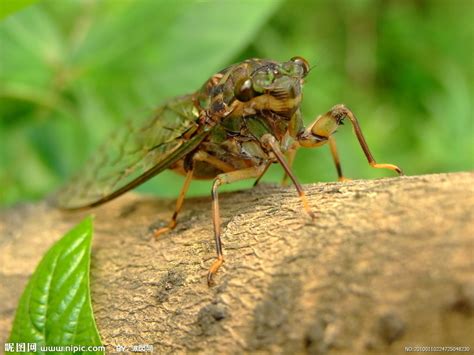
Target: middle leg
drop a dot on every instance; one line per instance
(226, 178)
(290, 158)
(271, 144)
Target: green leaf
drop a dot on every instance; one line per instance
(55, 308)
(8, 7)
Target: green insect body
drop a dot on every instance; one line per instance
(243, 119)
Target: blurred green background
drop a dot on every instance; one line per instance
(71, 71)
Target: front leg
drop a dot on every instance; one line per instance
(271, 144)
(290, 158)
(325, 125)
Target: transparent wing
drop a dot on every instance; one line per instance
(134, 154)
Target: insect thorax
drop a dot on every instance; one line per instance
(239, 125)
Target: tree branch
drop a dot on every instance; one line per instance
(387, 264)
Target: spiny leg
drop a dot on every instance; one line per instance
(222, 179)
(335, 157)
(271, 143)
(179, 204)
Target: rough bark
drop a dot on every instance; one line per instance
(387, 264)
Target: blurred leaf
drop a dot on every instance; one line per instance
(55, 308)
(8, 7)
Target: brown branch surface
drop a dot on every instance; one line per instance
(387, 264)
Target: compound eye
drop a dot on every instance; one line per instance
(244, 90)
(263, 79)
(303, 63)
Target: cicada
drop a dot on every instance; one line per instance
(243, 119)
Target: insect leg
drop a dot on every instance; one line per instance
(335, 157)
(179, 204)
(365, 147)
(261, 175)
(271, 143)
(222, 179)
(290, 158)
(201, 155)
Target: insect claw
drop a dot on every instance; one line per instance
(387, 166)
(159, 231)
(210, 281)
(213, 270)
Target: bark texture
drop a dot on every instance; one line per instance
(387, 264)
